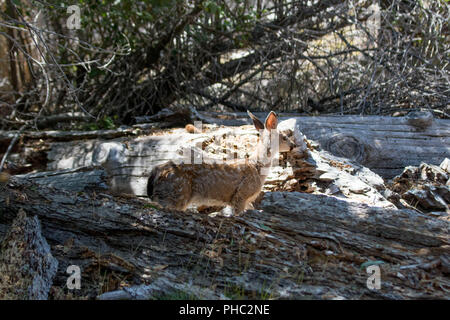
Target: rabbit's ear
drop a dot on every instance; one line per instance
(256, 122)
(271, 121)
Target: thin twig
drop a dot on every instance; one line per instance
(11, 145)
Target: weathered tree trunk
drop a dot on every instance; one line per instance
(129, 161)
(297, 245)
(386, 145)
(125, 164)
(316, 244)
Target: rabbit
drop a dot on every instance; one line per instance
(235, 184)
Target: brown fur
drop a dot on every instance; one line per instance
(177, 186)
(236, 183)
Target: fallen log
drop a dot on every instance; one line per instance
(124, 165)
(74, 180)
(386, 145)
(383, 144)
(127, 163)
(56, 135)
(296, 245)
